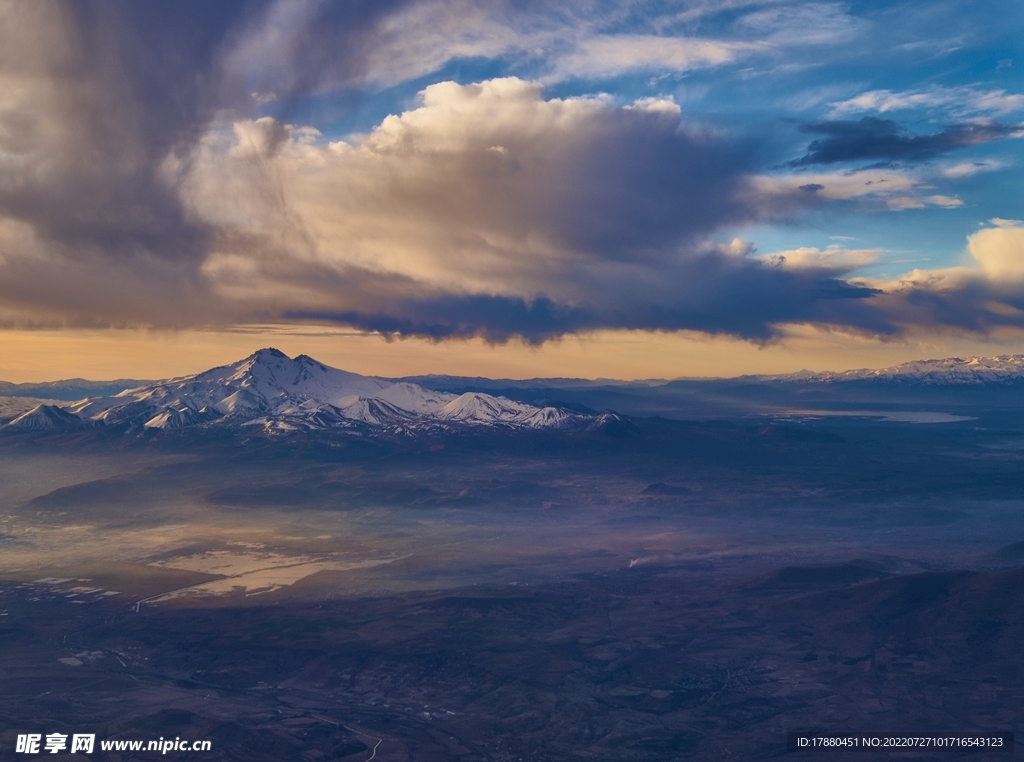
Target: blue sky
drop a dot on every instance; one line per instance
(515, 174)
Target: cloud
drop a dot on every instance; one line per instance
(839, 186)
(883, 140)
(969, 168)
(980, 299)
(946, 202)
(999, 251)
(490, 210)
(142, 182)
(93, 97)
(297, 48)
(612, 55)
(902, 203)
(872, 189)
(962, 101)
(128, 196)
(87, 110)
(840, 261)
(802, 24)
(261, 138)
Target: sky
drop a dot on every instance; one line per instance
(507, 187)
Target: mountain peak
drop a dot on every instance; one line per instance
(273, 392)
(44, 417)
(269, 352)
(268, 357)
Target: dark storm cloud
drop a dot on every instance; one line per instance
(749, 300)
(883, 140)
(99, 93)
(95, 97)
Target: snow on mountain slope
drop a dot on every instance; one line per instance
(12, 407)
(272, 391)
(412, 397)
(44, 418)
(179, 418)
(951, 370)
(474, 407)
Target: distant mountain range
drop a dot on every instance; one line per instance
(68, 390)
(951, 370)
(270, 392)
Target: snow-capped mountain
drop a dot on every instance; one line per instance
(44, 418)
(951, 370)
(12, 407)
(271, 391)
(474, 407)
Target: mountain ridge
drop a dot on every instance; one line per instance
(271, 392)
(975, 369)
(69, 389)
(953, 370)
(949, 370)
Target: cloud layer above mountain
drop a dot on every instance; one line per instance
(196, 164)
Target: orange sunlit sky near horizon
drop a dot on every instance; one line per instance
(36, 356)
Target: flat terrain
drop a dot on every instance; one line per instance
(640, 664)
